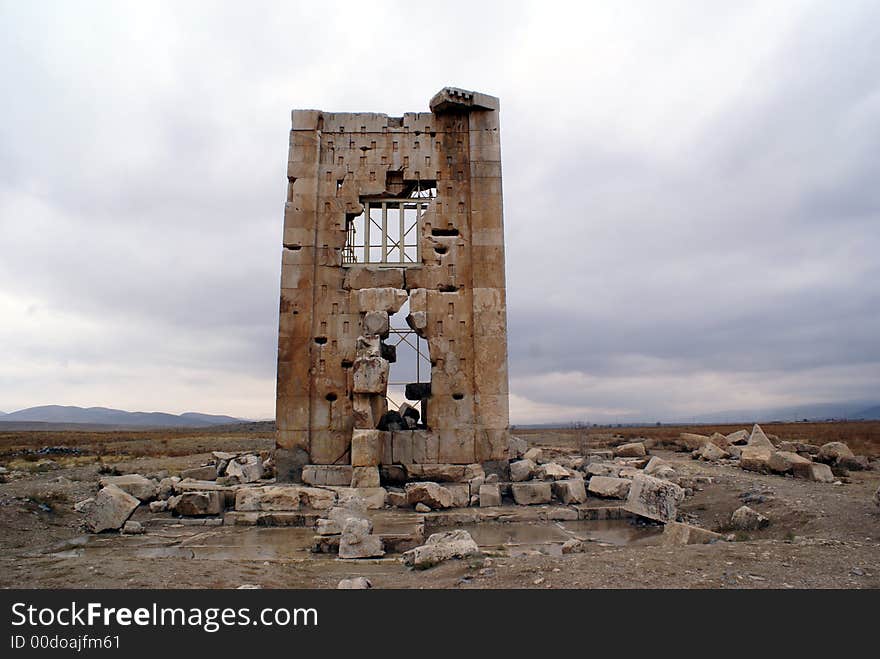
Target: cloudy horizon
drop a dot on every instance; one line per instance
(691, 198)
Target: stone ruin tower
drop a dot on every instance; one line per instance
(393, 215)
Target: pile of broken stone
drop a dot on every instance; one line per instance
(756, 451)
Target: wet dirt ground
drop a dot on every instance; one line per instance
(821, 536)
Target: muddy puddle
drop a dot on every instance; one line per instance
(290, 544)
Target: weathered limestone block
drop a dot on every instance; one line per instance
(354, 583)
(690, 441)
(357, 542)
(388, 300)
(609, 487)
(109, 509)
(442, 547)
(370, 375)
(676, 533)
(456, 446)
(366, 447)
(659, 467)
(490, 494)
(444, 473)
(601, 469)
(460, 492)
(534, 492)
(516, 447)
(365, 477)
(283, 497)
(430, 494)
(551, 472)
(631, 450)
(246, 468)
(832, 452)
(203, 473)
(195, 504)
(747, 519)
(654, 498)
(326, 475)
(738, 437)
(783, 462)
(522, 470)
(758, 438)
(815, 471)
(534, 454)
(369, 277)
(376, 323)
(570, 491)
(138, 486)
(756, 458)
(711, 451)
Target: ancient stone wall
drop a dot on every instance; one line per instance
(332, 361)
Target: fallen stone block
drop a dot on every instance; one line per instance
(854, 463)
(490, 495)
(531, 493)
(631, 450)
(711, 451)
(246, 468)
(719, 440)
(551, 472)
(601, 469)
(522, 470)
(814, 471)
(203, 473)
(747, 519)
(461, 494)
(676, 533)
(397, 499)
(430, 494)
(691, 441)
(442, 547)
(166, 487)
(355, 583)
(758, 438)
(832, 452)
(654, 498)
(659, 467)
(158, 506)
(136, 485)
(756, 458)
(443, 473)
(534, 454)
(738, 437)
(783, 462)
(574, 546)
(570, 491)
(109, 509)
(356, 540)
(196, 504)
(609, 487)
(283, 497)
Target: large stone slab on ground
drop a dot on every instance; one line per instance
(631, 450)
(203, 473)
(138, 486)
(442, 547)
(354, 583)
(109, 510)
(738, 437)
(609, 487)
(283, 497)
(430, 494)
(676, 533)
(782, 462)
(534, 492)
(654, 498)
(570, 491)
(747, 519)
(711, 451)
(551, 472)
(815, 471)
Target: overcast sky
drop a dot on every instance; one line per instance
(692, 194)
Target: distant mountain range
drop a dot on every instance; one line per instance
(867, 410)
(111, 417)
